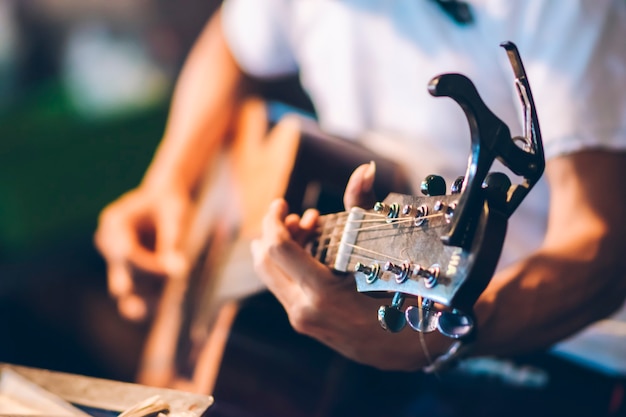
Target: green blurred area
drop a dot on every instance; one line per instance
(84, 93)
(59, 169)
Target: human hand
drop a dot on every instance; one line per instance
(138, 235)
(325, 305)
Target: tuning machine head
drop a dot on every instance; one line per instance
(497, 185)
(391, 317)
(422, 318)
(426, 318)
(455, 324)
(457, 185)
(433, 185)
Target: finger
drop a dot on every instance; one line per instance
(279, 228)
(120, 282)
(272, 276)
(309, 220)
(117, 239)
(146, 261)
(292, 223)
(299, 265)
(307, 227)
(133, 308)
(295, 262)
(171, 225)
(169, 219)
(273, 225)
(112, 237)
(302, 229)
(125, 256)
(360, 188)
(125, 279)
(275, 233)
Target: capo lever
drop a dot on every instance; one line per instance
(491, 139)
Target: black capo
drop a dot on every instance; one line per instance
(482, 190)
(492, 139)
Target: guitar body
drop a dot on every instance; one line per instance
(264, 160)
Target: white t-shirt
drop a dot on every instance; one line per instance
(366, 65)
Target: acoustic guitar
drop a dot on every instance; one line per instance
(436, 253)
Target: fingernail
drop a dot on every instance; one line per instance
(368, 177)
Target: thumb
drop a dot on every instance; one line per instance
(169, 239)
(360, 187)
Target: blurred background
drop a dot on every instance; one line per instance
(84, 92)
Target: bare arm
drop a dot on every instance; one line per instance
(578, 275)
(139, 234)
(208, 92)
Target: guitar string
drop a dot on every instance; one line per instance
(394, 222)
(344, 214)
(380, 224)
(379, 254)
(337, 244)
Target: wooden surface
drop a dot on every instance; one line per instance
(110, 395)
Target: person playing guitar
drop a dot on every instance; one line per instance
(365, 66)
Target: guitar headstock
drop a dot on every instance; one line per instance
(397, 247)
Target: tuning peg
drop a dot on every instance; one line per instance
(433, 185)
(389, 210)
(497, 180)
(455, 324)
(430, 275)
(371, 272)
(400, 271)
(497, 185)
(422, 318)
(390, 317)
(457, 185)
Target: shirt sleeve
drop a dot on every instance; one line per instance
(258, 34)
(577, 72)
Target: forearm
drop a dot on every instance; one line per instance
(577, 276)
(204, 105)
(550, 295)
